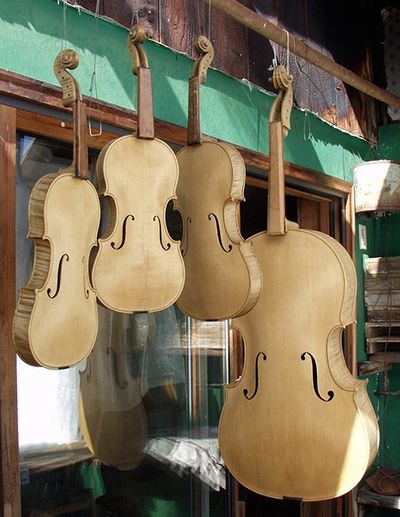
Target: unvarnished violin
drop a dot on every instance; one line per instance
(55, 322)
(297, 424)
(138, 267)
(223, 277)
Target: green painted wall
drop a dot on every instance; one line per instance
(31, 34)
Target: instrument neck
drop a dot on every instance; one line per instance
(276, 224)
(80, 144)
(145, 116)
(194, 131)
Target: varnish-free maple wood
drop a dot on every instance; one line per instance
(287, 441)
(297, 424)
(138, 267)
(55, 323)
(223, 277)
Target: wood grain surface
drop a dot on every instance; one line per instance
(9, 456)
(296, 413)
(223, 277)
(55, 323)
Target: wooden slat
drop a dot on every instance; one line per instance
(386, 357)
(381, 314)
(9, 467)
(382, 282)
(382, 265)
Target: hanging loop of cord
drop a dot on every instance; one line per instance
(93, 92)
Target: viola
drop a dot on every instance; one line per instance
(138, 267)
(297, 424)
(223, 277)
(55, 322)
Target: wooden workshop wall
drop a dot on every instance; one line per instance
(31, 35)
(382, 237)
(327, 26)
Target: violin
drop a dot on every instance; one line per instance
(297, 424)
(55, 322)
(138, 267)
(111, 410)
(223, 277)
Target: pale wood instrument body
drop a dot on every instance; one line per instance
(139, 267)
(111, 411)
(55, 323)
(297, 423)
(223, 277)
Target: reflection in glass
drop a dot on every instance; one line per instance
(132, 430)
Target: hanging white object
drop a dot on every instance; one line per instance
(377, 186)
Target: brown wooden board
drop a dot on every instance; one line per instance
(9, 468)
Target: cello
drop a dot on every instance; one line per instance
(297, 424)
(138, 267)
(223, 277)
(55, 321)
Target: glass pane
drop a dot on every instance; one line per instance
(132, 430)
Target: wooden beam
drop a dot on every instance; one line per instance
(9, 465)
(269, 30)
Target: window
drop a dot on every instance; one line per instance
(147, 400)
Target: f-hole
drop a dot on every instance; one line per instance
(60, 264)
(167, 246)
(315, 378)
(118, 375)
(113, 245)
(213, 216)
(246, 391)
(185, 240)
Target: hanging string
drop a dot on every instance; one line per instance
(159, 21)
(288, 50)
(93, 82)
(63, 31)
(307, 121)
(209, 20)
(135, 17)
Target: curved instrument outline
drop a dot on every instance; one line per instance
(330, 393)
(185, 240)
(226, 250)
(59, 270)
(168, 245)
(114, 247)
(246, 391)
